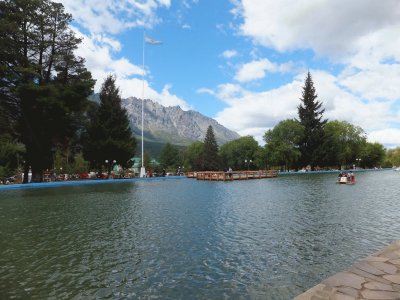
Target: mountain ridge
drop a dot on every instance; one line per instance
(172, 124)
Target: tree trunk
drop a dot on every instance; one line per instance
(37, 176)
(26, 172)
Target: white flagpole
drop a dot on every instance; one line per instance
(152, 42)
(142, 169)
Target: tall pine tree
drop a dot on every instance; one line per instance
(108, 135)
(211, 158)
(310, 114)
(43, 85)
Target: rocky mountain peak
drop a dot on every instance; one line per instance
(172, 124)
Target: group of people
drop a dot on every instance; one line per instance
(349, 175)
(179, 172)
(150, 173)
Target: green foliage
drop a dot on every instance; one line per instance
(373, 155)
(79, 164)
(70, 163)
(234, 153)
(281, 143)
(393, 157)
(343, 143)
(202, 156)
(169, 157)
(194, 155)
(10, 155)
(261, 159)
(43, 85)
(310, 115)
(108, 135)
(211, 159)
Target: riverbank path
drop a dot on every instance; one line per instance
(374, 277)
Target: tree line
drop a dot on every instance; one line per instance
(309, 142)
(314, 142)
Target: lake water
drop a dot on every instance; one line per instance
(188, 239)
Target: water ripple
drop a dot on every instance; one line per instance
(258, 239)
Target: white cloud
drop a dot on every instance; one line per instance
(389, 136)
(206, 91)
(332, 28)
(254, 70)
(167, 99)
(229, 53)
(376, 47)
(132, 87)
(257, 69)
(114, 16)
(230, 93)
(113, 43)
(381, 81)
(249, 110)
(100, 61)
(341, 104)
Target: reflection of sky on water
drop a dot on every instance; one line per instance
(270, 238)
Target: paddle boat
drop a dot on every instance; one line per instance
(346, 178)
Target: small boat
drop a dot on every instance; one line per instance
(397, 169)
(346, 178)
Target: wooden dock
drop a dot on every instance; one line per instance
(233, 175)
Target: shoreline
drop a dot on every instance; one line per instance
(108, 181)
(80, 182)
(335, 171)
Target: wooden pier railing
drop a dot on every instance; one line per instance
(233, 175)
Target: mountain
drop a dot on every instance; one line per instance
(172, 124)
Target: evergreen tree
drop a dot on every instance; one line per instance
(43, 85)
(310, 114)
(108, 135)
(211, 159)
(169, 157)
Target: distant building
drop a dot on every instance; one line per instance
(135, 165)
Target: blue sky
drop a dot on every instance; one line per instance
(243, 62)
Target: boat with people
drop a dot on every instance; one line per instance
(346, 178)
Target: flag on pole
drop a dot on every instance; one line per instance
(151, 41)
